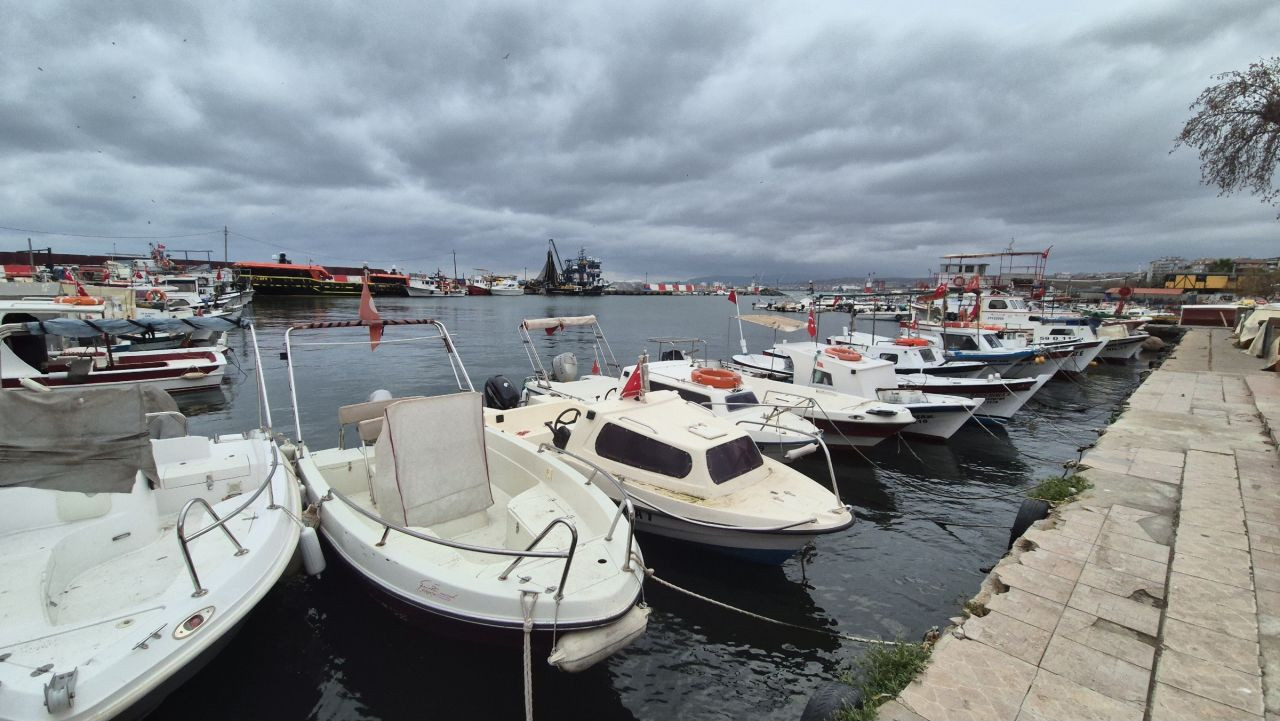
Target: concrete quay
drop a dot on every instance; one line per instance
(1154, 596)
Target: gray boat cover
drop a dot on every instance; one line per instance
(91, 440)
(85, 328)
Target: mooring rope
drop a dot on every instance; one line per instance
(528, 650)
(826, 632)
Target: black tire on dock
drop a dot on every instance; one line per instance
(1031, 510)
(829, 700)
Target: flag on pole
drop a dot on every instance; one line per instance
(634, 387)
(369, 314)
(813, 325)
(938, 293)
(80, 291)
(974, 283)
(595, 363)
(733, 296)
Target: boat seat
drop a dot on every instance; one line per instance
(431, 465)
(357, 412)
(370, 430)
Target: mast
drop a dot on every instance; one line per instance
(225, 256)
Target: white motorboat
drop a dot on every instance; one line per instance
(1001, 397)
(1123, 343)
(693, 476)
(1058, 332)
(962, 341)
(449, 520)
(775, 430)
(130, 552)
(505, 286)
(908, 354)
(847, 371)
(26, 357)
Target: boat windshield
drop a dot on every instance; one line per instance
(727, 461)
(926, 354)
(959, 341)
(741, 399)
(640, 451)
(993, 340)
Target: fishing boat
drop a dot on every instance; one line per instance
(28, 359)
(1001, 397)
(130, 552)
(578, 276)
(450, 521)
(505, 286)
(848, 372)
(692, 476)
(909, 355)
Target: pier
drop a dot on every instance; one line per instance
(1156, 594)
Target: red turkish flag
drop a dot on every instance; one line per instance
(733, 296)
(813, 325)
(369, 314)
(80, 291)
(635, 384)
(974, 283)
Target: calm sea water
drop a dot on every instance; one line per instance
(930, 517)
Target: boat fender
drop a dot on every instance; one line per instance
(830, 702)
(579, 650)
(1031, 510)
(312, 555)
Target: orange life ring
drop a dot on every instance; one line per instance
(77, 300)
(844, 354)
(717, 377)
(155, 295)
(911, 342)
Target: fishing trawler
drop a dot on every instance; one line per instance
(575, 276)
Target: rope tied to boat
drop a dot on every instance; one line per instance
(527, 600)
(824, 631)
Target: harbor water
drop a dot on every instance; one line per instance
(930, 518)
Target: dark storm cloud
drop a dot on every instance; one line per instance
(675, 139)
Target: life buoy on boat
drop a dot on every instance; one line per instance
(77, 300)
(717, 377)
(844, 354)
(155, 295)
(911, 342)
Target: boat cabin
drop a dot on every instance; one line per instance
(662, 441)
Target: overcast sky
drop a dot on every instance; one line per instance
(676, 139)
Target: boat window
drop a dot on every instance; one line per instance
(1061, 331)
(640, 451)
(821, 377)
(684, 393)
(730, 460)
(957, 341)
(891, 357)
(741, 399)
(997, 305)
(993, 340)
(926, 354)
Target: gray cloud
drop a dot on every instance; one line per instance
(673, 139)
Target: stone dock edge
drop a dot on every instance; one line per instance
(1156, 594)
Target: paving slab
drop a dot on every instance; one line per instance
(1237, 653)
(969, 681)
(1212, 681)
(1169, 703)
(1096, 670)
(1053, 697)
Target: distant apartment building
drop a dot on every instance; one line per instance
(1161, 267)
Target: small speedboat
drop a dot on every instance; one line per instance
(847, 371)
(909, 354)
(451, 521)
(130, 552)
(692, 476)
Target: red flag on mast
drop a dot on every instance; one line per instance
(813, 325)
(974, 283)
(369, 314)
(80, 291)
(635, 384)
(733, 296)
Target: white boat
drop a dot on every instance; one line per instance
(1054, 332)
(972, 342)
(449, 520)
(848, 372)
(130, 552)
(909, 354)
(27, 358)
(776, 430)
(692, 476)
(1123, 343)
(1001, 397)
(505, 286)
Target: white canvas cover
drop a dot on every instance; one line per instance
(544, 323)
(431, 463)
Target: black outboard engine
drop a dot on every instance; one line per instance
(499, 394)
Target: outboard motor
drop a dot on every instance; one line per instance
(499, 394)
(672, 354)
(564, 368)
(382, 394)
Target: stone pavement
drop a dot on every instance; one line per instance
(1157, 594)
